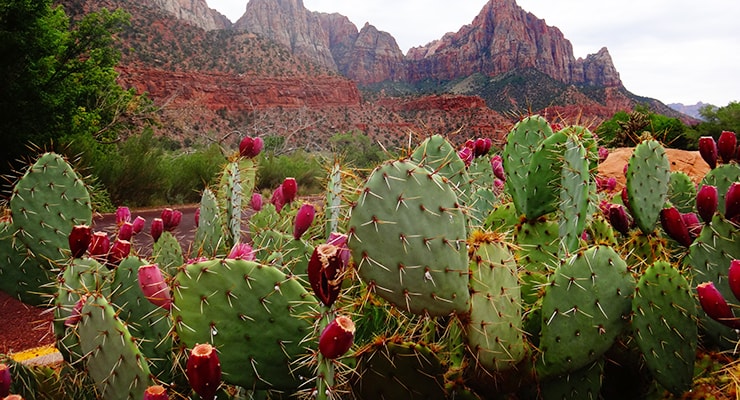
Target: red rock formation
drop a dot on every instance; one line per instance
(196, 12)
(374, 57)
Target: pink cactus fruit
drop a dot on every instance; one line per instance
(706, 202)
(340, 240)
(139, 223)
(79, 239)
(303, 220)
(123, 214)
(155, 392)
(325, 271)
(715, 305)
(242, 251)
(99, 245)
(708, 150)
(278, 199)
(732, 202)
(203, 370)
(196, 217)
(674, 226)
(466, 154)
(290, 189)
(170, 219)
(691, 220)
(498, 186)
(153, 286)
(603, 154)
(126, 231)
(497, 165)
(733, 276)
(157, 228)
(76, 313)
(5, 380)
(726, 146)
(118, 251)
(250, 147)
(336, 339)
(256, 202)
(618, 218)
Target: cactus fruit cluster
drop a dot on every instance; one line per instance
(453, 272)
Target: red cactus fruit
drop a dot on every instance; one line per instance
(251, 147)
(290, 189)
(715, 305)
(497, 165)
(256, 202)
(325, 271)
(203, 370)
(5, 380)
(498, 186)
(171, 219)
(99, 245)
(733, 276)
(123, 214)
(196, 217)
(76, 314)
(708, 150)
(278, 199)
(480, 147)
(139, 223)
(470, 143)
(153, 286)
(118, 251)
(336, 339)
(619, 219)
(303, 220)
(157, 228)
(79, 239)
(625, 199)
(242, 251)
(706, 202)
(466, 154)
(674, 226)
(156, 392)
(126, 231)
(340, 240)
(726, 145)
(732, 202)
(488, 144)
(603, 154)
(692, 224)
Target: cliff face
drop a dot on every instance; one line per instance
(195, 12)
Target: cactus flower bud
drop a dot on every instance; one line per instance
(139, 223)
(242, 251)
(706, 202)
(497, 165)
(603, 153)
(708, 150)
(251, 147)
(79, 240)
(203, 370)
(118, 251)
(5, 380)
(126, 231)
(99, 245)
(325, 271)
(732, 201)
(618, 218)
(157, 228)
(290, 190)
(336, 339)
(733, 276)
(76, 314)
(256, 202)
(674, 226)
(715, 305)
(156, 392)
(470, 143)
(726, 146)
(153, 286)
(480, 148)
(123, 214)
(278, 199)
(466, 154)
(303, 220)
(171, 219)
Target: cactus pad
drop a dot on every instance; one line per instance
(648, 175)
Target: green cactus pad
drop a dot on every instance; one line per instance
(537, 245)
(584, 383)
(253, 314)
(282, 251)
(722, 178)
(333, 207)
(481, 173)
(481, 204)
(111, 356)
(439, 156)
(710, 256)
(664, 325)
(601, 232)
(21, 275)
(230, 202)
(574, 194)
(494, 330)
(402, 370)
(407, 237)
(583, 310)
(167, 252)
(209, 236)
(503, 218)
(521, 143)
(543, 177)
(648, 175)
(682, 192)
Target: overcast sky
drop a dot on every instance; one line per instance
(677, 51)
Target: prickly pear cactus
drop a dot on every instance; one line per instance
(648, 175)
(167, 252)
(407, 236)
(21, 275)
(543, 177)
(722, 178)
(230, 202)
(574, 193)
(584, 383)
(209, 235)
(584, 310)
(664, 325)
(255, 315)
(439, 156)
(682, 192)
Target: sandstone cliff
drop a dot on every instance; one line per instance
(195, 12)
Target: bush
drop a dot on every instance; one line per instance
(302, 166)
(187, 174)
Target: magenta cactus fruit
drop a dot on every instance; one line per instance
(336, 339)
(171, 219)
(251, 147)
(278, 199)
(118, 251)
(126, 231)
(618, 218)
(691, 220)
(480, 147)
(79, 239)
(5, 380)
(340, 240)
(76, 314)
(138, 224)
(242, 251)
(466, 154)
(303, 220)
(674, 226)
(99, 245)
(733, 276)
(157, 228)
(732, 201)
(155, 392)
(203, 370)
(153, 286)
(325, 271)
(715, 305)
(603, 153)
(123, 214)
(706, 202)
(726, 146)
(256, 202)
(708, 150)
(196, 217)
(290, 189)
(497, 165)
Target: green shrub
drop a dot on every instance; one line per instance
(302, 166)
(188, 173)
